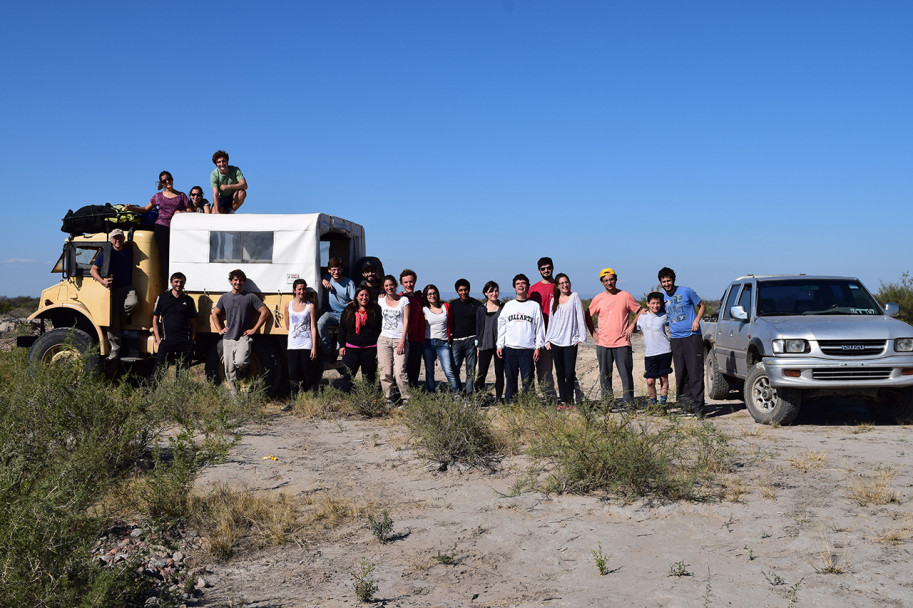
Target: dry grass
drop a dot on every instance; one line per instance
(807, 460)
(229, 516)
(895, 536)
(862, 427)
(733, 489)
(878, 491)
(766, 488)
(828, 560)
(332, 510)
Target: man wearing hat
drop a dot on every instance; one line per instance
(120, 283)
(612, 309)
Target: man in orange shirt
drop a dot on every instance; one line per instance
(613, 310)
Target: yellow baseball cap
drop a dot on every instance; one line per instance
(606, 271)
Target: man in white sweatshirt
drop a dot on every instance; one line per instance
(521, 332)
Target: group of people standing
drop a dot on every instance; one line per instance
(386, 325)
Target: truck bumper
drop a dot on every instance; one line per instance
(895, 371)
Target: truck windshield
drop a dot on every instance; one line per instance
(814, 297)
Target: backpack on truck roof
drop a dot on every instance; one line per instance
(87, 219)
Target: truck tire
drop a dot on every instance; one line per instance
(64, 344)
(715, 383)
(769, 405)
(894, 406)
(264, 363)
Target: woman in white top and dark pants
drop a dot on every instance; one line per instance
(566, 329)
(302, 327)
(437, 338)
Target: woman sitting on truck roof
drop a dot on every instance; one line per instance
(198, 204)
(169, 201)
(359, 329)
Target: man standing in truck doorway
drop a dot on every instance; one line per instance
(238, 308)
(120, 284)
(685, 309)
(177, 314)
(229, 188)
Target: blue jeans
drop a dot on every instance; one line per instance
(439, 349)
(326, 321)
(517, 360)
(464, 349)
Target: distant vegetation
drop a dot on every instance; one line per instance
(901, 293)
(20, 305)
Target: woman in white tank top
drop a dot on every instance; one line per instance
(301, 322)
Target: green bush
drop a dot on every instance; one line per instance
(69, 439)
(629, 455)
(901, 293)
(449, 430)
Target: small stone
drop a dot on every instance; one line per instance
(152, 601)
(201, 583)
(119, 557)
(137, 533)
(178, 557)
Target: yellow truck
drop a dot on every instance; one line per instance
(272, 249)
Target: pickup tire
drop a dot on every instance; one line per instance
(63, 344)
(264, 362)
(715, 382)
(766, 404)
(894, 406)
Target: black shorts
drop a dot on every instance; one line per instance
(658, 365)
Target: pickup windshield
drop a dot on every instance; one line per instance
(814, 297)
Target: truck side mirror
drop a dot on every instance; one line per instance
(891, 309)
(738, 313)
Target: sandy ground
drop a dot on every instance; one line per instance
(536, 550)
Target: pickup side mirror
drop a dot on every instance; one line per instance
(738, 313)
(891, 309)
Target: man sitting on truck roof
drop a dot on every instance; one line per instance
(237, 307)
(120, 283)
(229, 188)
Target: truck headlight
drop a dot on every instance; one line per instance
(791, 346)
(903, 345)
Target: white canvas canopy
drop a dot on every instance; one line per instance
(272, 249)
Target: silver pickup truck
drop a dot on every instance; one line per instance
(786, 338)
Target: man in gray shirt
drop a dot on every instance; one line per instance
(238, 308)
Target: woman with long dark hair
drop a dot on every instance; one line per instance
(301, 322)
(438, 323)
(487, 326)
(168, 201)
(566, 329)
(359, 328)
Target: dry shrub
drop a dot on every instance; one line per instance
(630, 455)
(227, 516)
(807, 460)
(448, 430)
(877, 491)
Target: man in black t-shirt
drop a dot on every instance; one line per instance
(177, 313)
(463, 336)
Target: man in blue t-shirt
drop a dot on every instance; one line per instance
(684, 309)
(339, 291)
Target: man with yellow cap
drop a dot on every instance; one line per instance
(613, 310)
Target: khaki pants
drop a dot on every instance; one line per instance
(236, 355)
(123, 301)
(392, 366)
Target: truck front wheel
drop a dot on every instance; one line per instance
(64, 344)
(715, 383)
(894, 405)
(769, 405)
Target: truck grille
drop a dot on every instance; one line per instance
(852, 373)
(851, 348)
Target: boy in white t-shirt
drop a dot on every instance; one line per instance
(657, 348)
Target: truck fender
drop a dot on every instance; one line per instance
(757, 346)
(70, 315)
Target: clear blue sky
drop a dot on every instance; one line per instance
(471, 137)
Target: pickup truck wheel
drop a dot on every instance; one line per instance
(715, 383)
(264, 363)
(894, 405)
(766, 404)
(64, 344)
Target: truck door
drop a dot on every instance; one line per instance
(724, 332)
(740, 331)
